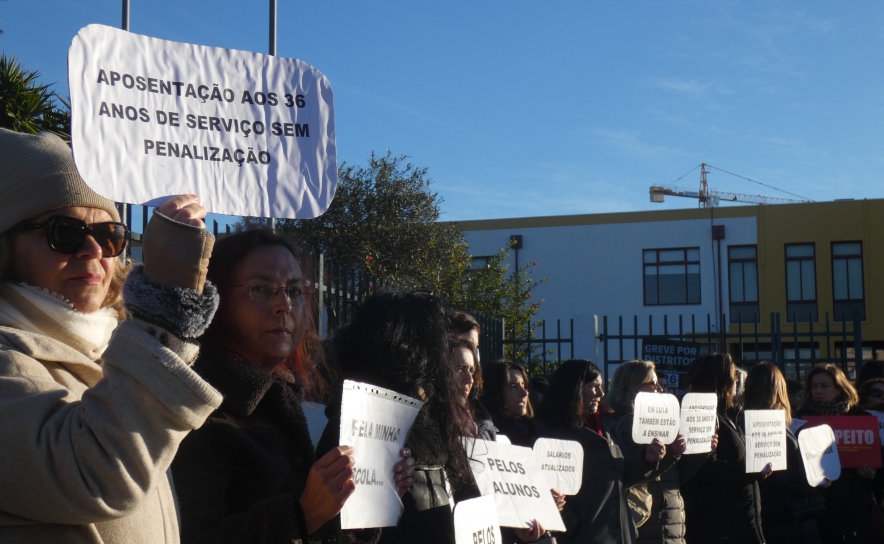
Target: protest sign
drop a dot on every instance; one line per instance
(251, 134)
(513, 477)
(698, 417)
(857, 437)
(656, 415)
(561, 461)
(672, 359)
(375, 421)
(503, 439)
(820, 454)
(475, 522)
(765, 439)
(880, 416)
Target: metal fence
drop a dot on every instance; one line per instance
(794, 350)
(536, 350)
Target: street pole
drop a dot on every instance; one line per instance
(272, 51)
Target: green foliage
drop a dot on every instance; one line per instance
(384, 219)
(26, 106)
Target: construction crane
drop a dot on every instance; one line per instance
(710, 199)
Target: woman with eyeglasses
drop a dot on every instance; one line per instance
(786, 493)
(574, 410)
(250, 474)
(664, 520)
(96, 389)
(828, 392)
(722, 501)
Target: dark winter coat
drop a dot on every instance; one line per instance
(779, 527)
(240, 476)
(848, 502)
(722, 501)
(599, 512)
(666, 522)
(522, 431)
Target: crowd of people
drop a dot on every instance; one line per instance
(162, 402)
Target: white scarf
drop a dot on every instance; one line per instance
(36, 310)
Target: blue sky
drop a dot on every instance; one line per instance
(529, 108)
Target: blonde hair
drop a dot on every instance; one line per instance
(627, 379)
(766, 390)
(848, 393)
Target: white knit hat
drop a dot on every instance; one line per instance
(37, 175)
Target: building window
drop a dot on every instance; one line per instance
(672, 276)
(743, 279)
(847, 280)
(801, 282)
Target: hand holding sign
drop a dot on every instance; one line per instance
(328, 487)
(375, 421)
(820, 455)
(656, 416)
(765, 440)
(561, 461)
(698, 415)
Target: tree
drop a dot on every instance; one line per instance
(26, 106)
(384, 219)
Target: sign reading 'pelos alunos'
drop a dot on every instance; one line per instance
(251, 134)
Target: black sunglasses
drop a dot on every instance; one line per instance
(67, 234)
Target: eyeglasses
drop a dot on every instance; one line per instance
(67, 234)
(876, 394)
(264, 293)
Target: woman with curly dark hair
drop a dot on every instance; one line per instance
(573, 409)
(399, 341)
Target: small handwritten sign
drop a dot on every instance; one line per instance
(656, 415)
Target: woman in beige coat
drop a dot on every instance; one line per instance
(92, 405)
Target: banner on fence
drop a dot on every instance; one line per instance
(375, 421)
(513, 477)
(656, 415)
(561, 461)
(698, 417)
(475, 522)
(251, 134)
(857, 438)
(765, 439)
(820, 454)
(672, 359)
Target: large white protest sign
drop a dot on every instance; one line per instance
(251, 134)
(512, 476)
(656, 416)
(475, 522)
(819, 451)
(765, 439)
(698, 416)
(561, 461)
(375, 421)
(880, 416)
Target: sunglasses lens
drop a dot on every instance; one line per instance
(66, 235)
(111, 237)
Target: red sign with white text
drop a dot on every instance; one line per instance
(857, 436)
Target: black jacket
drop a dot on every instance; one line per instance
(776, 491)
(599, 512)
(722, 502)
(666, 522)
(240, 476)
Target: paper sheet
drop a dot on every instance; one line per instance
(475, 522)
(820, 454)
(698, 417)
(657, 415)
(561, 461)
(765, 439)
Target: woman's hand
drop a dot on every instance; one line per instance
(655, 451)
(329, 485)
(680, 444)
(184, 209)
(714, 441)
(866, 471)
(403, 472)
(559, 498)
(532, 534)
(766, 471)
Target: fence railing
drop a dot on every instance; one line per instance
(535, 337)
(795, 350)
